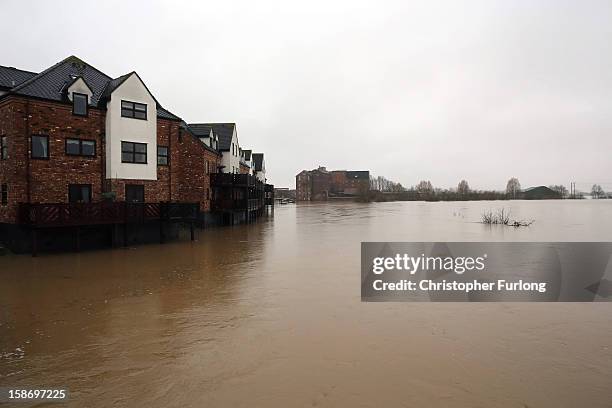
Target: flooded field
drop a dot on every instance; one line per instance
(269, 315)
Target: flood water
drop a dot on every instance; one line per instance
(269, 315)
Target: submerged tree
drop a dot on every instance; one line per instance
(513, 188)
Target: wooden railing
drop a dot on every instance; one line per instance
(235, 180)
(64, 214)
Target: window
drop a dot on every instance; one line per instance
(133, 152)
(79, 193)
(4, 190)
(208, 193)
(80, 147)
(162, 155)
(134, 193)
(40, 147)
(133, 110)
(3, 147)
(88, 147)
(79, 104)
(206, 168)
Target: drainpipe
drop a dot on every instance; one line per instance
(102, 152)
(170, 161)
(27, 151)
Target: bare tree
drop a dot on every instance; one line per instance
(425, 188)
(382, 184)
(513, 188)
(397, 187)
(597, 191)
(463, 188)
(560, 189)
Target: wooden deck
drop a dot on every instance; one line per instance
(46, 215)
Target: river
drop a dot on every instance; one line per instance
(269, 315)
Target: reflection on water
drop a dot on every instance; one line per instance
(269, 314)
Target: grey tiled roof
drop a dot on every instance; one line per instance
(224, 132)
(52, 82)
(247, 154)
(11, 77)
(200, 129)
(258, 160)
(166, 114)
(113, 84)
(189, 129)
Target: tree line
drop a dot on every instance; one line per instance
(383, 189)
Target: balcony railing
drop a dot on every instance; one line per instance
(64, 214)
(269, 194)
(235, 180)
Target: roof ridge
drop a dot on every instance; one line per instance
(120, 80)
(19, 69)
(74, 57)
(51, 68)
(214, 123)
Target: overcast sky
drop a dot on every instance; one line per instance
(481, 90)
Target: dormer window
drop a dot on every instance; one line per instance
(79, 104)
(133, 110)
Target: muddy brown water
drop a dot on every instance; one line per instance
(269, 315)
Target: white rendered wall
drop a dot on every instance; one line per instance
(231, 158)
(120, 129)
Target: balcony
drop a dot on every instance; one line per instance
(64, 214)
(234, 180)
(269, 194)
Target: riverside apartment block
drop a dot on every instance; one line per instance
(94, 157)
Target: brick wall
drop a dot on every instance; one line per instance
(46, 180)
(166, 187)
(244, 169)
(194, 180)
(302, 186)
(321, 182)
(338, 181)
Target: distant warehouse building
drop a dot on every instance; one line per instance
(540, 193)
(320, 184)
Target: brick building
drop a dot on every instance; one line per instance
(321, 184)
(73, 135)
(245, 161)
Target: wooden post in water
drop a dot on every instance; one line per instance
(113, 230)
(77, 242)
(34, 242)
